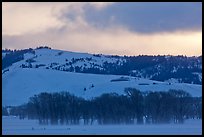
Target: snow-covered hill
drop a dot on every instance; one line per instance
(21, 83)
(161, 68)
(32, 71)
(62, 60)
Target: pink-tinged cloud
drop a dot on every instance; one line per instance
(65, 26)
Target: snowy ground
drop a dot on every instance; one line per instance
(20, 84)
(13, 126)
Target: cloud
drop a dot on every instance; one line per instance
(148, 17)
(33, 17)
(113, 41)
(108, 28)
(140, 17)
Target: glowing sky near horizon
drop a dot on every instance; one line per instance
(103, 27)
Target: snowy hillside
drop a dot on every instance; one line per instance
(18, 84)
(160, 68)
(62, 60)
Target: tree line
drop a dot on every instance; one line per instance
(110, 108)
(14, 56)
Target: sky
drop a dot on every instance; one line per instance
(122, 28)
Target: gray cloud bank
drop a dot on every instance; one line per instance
(148, 17)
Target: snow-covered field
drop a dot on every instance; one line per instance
(20, 84)
(14, 126)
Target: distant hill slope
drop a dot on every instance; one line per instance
(18, 84)
(180, 69)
